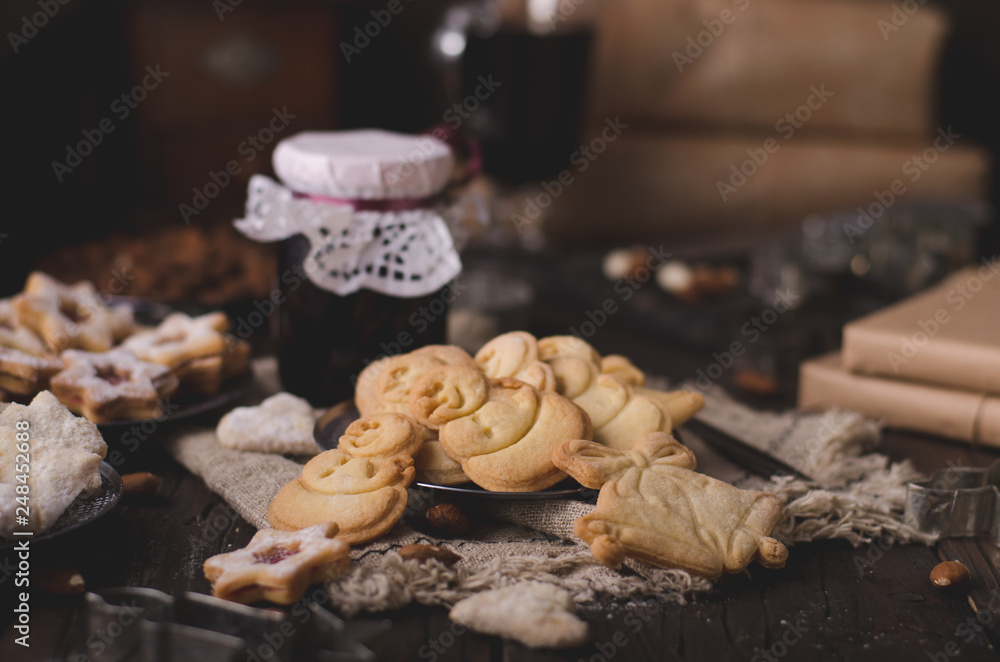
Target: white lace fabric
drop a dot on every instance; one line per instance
(400, 253)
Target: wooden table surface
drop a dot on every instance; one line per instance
(830, 602)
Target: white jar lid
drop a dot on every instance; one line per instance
(368, 164)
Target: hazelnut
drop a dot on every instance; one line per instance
(449, 519)
(141, 483)
(949, 573)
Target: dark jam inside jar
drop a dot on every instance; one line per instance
(324, 340)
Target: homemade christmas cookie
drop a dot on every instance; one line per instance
(281, 424)
(515, 354)
(385, 384)
(112, 386)
(653, 507)
(434, 466)
(622, 369)
(194, 348)
(278, 565)
(25, 374)
(16, 336)
(360, 485)
(66, 452)
(501, 431)
(536, 614)
(70, 316)
(619, 411)
(567, 353)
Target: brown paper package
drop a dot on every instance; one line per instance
(948, 335)
(948, 412)
(659, 62)
(648, 183)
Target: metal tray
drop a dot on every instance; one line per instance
(80, 512)
(332, 425)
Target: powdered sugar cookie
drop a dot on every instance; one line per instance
(278, 565)
(112, 386)
(536, 614)
(16, 336)
(70, 316)
(194, 348)
(180, 339)
(281, 424)
(25, 374)
(66, 453)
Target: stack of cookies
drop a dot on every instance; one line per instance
(96, 360)
(495, 419)
(195, 349)
(520, 416)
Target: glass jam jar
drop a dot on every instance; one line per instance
(366, 219)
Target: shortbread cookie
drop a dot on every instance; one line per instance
(278, 565)
(536, 614)
(618, 412)
(16, 336)
(70, 316)
(360, 485)
(65, 455)
(112, 386)
(653, 507)
(560, 352)
(622, 369)
(25, 374)
(515, 354)
(501, 431)
(680, 405)
(434, 466)
(180, 339)
(385, 384)
(281, 424)
(192, 347)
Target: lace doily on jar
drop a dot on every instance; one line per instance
(407, 253)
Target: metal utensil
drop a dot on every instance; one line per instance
(747, 456)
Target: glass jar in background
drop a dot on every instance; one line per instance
(371, 223)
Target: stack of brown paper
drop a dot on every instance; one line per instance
(930, 363)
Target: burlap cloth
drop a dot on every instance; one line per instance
(857, 495)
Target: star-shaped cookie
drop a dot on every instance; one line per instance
(278, 565)
(113, 385)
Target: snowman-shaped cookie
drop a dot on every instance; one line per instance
(360, 485)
